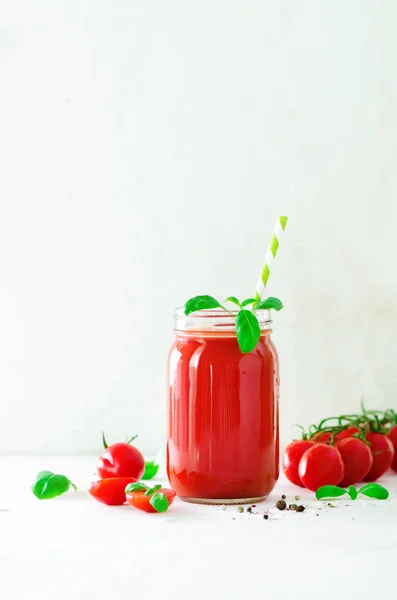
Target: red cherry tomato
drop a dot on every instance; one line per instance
(291, 458)
(121, 460)
(321, 438)
(357, 460)
(383, 454)
(111, 490)
(321, 465)
(346, 433)
(142, 502)
(392, 435)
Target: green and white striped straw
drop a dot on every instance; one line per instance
(270, 256)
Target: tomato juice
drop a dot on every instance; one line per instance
(222, 442)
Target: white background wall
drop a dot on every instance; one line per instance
(146, 149)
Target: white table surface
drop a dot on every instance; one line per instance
(74, 547)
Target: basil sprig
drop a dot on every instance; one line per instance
(159, 501)
(152, 466)
(49, 485)
(151, 470)
(247, 325)
(152, 490)
(135, 487)
(371, 490)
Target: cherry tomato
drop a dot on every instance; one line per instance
(392, 435)
(121, 460)
(321, 437)
(383, 454)
(142, 502)
(346, 433)
(321, 465)
(357, 460)
(291, 458)
(111, 490)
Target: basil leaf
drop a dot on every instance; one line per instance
(152, 490)
(200, 303)
(374, 490)
(329, 491)
(270, 302)
(43, 474)
(233, 299)
(151, 470)
(50, 485)
(351, 490)
(248, 330)
(159, 502)
(135, 487)
(248, 301)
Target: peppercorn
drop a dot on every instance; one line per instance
(240, 509)
(283, 497)
(293, 506)
(281, 505)
(297, 498)
(300, 508)
(265, 516)
(249, 509)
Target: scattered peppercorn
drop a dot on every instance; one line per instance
(240, 509)
(300, 508)
(249, 509)
(297, 498)
(253, 505)
(283, 497)
(281, 505)
(293, 506)
(265, 516)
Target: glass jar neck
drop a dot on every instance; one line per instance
(216, 321)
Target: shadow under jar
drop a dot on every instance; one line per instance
(222, 438)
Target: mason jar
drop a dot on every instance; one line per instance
(222, 438)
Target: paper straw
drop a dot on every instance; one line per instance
(270, 256)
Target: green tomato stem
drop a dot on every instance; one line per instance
(132, 439)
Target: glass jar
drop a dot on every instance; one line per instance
(222, 438)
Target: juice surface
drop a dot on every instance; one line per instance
(222, 417)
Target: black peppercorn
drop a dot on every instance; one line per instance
(281, 505)
(265, 516)
(300, 508)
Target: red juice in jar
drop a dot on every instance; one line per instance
(222, 440)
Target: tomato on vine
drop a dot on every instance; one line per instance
(392, 435)
(321, 465)
(346, 433)
(357, 460)
(291, 458)
(382, 451)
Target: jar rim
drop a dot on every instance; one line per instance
(216, 319)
